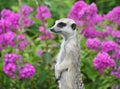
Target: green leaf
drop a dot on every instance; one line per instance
(110, 38)
(47, 57)
(99, 28)
(50, 22)
(36, 20)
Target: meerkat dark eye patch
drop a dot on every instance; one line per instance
(61, 24)
(73, 26)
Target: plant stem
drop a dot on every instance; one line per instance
(21, 17)
(37, 3)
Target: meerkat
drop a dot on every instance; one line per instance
(67, 68)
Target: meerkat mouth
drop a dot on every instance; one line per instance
(57, 31)
(52, 30)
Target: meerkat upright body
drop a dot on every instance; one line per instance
(67, 68)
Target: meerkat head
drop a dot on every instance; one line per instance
(65, 26)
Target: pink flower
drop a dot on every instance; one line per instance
(40, 52)
(10, 69)
(116, 72)
(5, 13)
(22, 41)
(117, 40)
(22, 45)
(109, 29)
(14, 20)
(7, 39)
(90, 32)
(28, 22)
(77, 12)
(49, 35)
(43, 13)
(12, 58)
(21, 37)
(103, 61)
(114, 15)
(26, 10)
(116, 34)
(93, 43)
(5, 26)
(108, 46)
(116, 55)
(43, 37)
(45, 33)
(84, 14)
(42, 29)
(27, 71)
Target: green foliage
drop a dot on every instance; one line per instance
(44, 77)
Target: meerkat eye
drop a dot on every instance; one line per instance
(61, 24)
(73, 26)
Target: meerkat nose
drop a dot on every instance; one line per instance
(52, 29)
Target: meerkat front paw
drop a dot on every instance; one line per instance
(57, 79)
(57, 75)
(57, 72)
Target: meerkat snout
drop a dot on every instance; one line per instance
(52, 29)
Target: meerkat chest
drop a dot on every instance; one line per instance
(62, 53)
(64, 50)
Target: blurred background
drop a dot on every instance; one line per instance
(44, 77)
(103, 5)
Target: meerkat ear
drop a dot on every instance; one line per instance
(73, 26)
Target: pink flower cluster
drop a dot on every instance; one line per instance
(83, 13)
(101, 37)
(45, 33)
(7, 39)
(10, 20)
(116, 54)
(12, 58)
(12, 35)
(102, 61)
(26, 10)
(11, 68)
(90, 32)
(10, 39)
(40, 52)
(93, 43)
(105, 46)
(22, 41)
(43, 13)
(116, 34)
(108, 46)
(9, 24)
(114, 15)
(116, 72)
(11, 17)
(27, 71)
